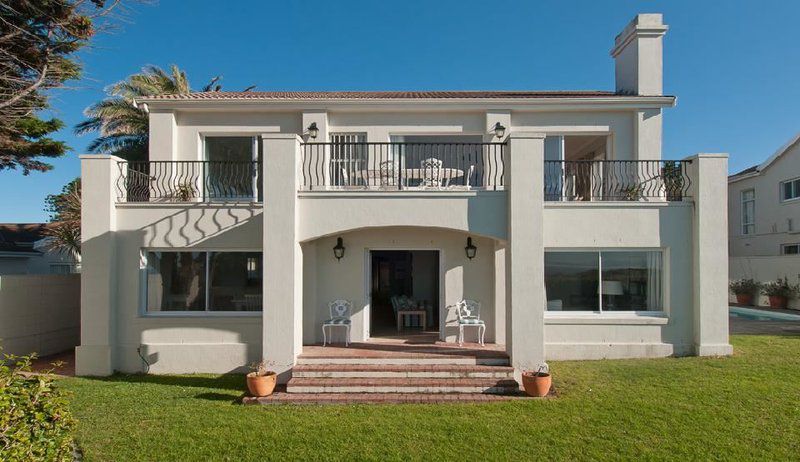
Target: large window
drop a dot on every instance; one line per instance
(790, 189)
(231, 171)
(203, 281)
(790, 249)
(748, 211)
(604, 281)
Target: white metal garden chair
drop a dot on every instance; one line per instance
(468, 314)
(431, 172)
(340, 317)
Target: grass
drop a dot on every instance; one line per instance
(743, 407)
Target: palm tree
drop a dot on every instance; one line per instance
(122, 126)
(64, 231)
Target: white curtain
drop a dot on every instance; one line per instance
(654, 266)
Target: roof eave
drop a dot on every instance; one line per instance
(618, 101)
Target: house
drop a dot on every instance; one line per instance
(554, 210)
(24, 250)
(764, 211)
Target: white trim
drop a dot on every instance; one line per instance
(608, 317)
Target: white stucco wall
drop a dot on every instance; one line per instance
(634, 226)
(39, 313)
(776, 222)
(182, 343)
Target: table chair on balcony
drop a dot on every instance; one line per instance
(340, 311)
(388, 175)
(468, 314)
(431, 172)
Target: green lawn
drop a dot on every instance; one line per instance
(744, 407)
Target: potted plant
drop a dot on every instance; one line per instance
(184, 191)
(779, 292)
(744, 289)
(537, 383)
(261, 381)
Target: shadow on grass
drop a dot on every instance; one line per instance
(221, 397)
(224, 382)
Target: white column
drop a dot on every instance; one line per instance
(283, 258)
(525, 251)
(163, 139)
(95, 355)
(709, 190)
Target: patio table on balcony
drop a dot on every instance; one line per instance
(377, 177)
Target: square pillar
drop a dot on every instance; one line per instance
(283, 257)
(95, 355)
(525, 298)
(709, 190)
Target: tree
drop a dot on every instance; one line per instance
(38, 41)
(122, 125)
(64, 231)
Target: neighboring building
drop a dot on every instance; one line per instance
(764, 226)
(764, 206)
(23, 250)
(257, 209)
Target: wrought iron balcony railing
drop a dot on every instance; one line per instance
(402, 166)
(616, 180)
(189, 181)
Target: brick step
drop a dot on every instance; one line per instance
(401, 371)
(487, 358)
(380, 398)
(401, 385)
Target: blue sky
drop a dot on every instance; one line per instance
(734, 65)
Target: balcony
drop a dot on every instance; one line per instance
(616, 180)
(189, 181)
(398, 166)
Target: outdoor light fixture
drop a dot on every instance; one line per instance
(338, 250)
(470, 249)
(313, 131)
(499, 130)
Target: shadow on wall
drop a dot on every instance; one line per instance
(195, 225)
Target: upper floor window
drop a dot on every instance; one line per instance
(790, 189)
(790, 249)
(748, 211)
(232, 171)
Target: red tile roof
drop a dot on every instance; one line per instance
(367, 95)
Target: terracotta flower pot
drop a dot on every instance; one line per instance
(744, 299)
(536, 385)
(777, 301)
(261, 385)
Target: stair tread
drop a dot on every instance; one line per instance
(378, 398)
(400, 368)
(398, 382)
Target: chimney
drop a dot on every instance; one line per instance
(638, 56)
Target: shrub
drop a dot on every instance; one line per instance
(779, 288)
(744, 286)
(35, 424)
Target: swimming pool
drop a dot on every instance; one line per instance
(761, 315)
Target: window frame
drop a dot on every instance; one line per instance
(791, 244)
(206, 313)
(663, 313)
(795, 182)
(747, 226)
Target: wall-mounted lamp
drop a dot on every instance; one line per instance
(499, 130)
(470, 249)
(338, 250)
(313, 131)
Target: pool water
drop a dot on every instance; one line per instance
(761, 315)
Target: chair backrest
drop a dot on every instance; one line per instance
(253, 301)
(468, 309)
(431, 167)
(340, 309)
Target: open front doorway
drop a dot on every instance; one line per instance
(404, 293)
